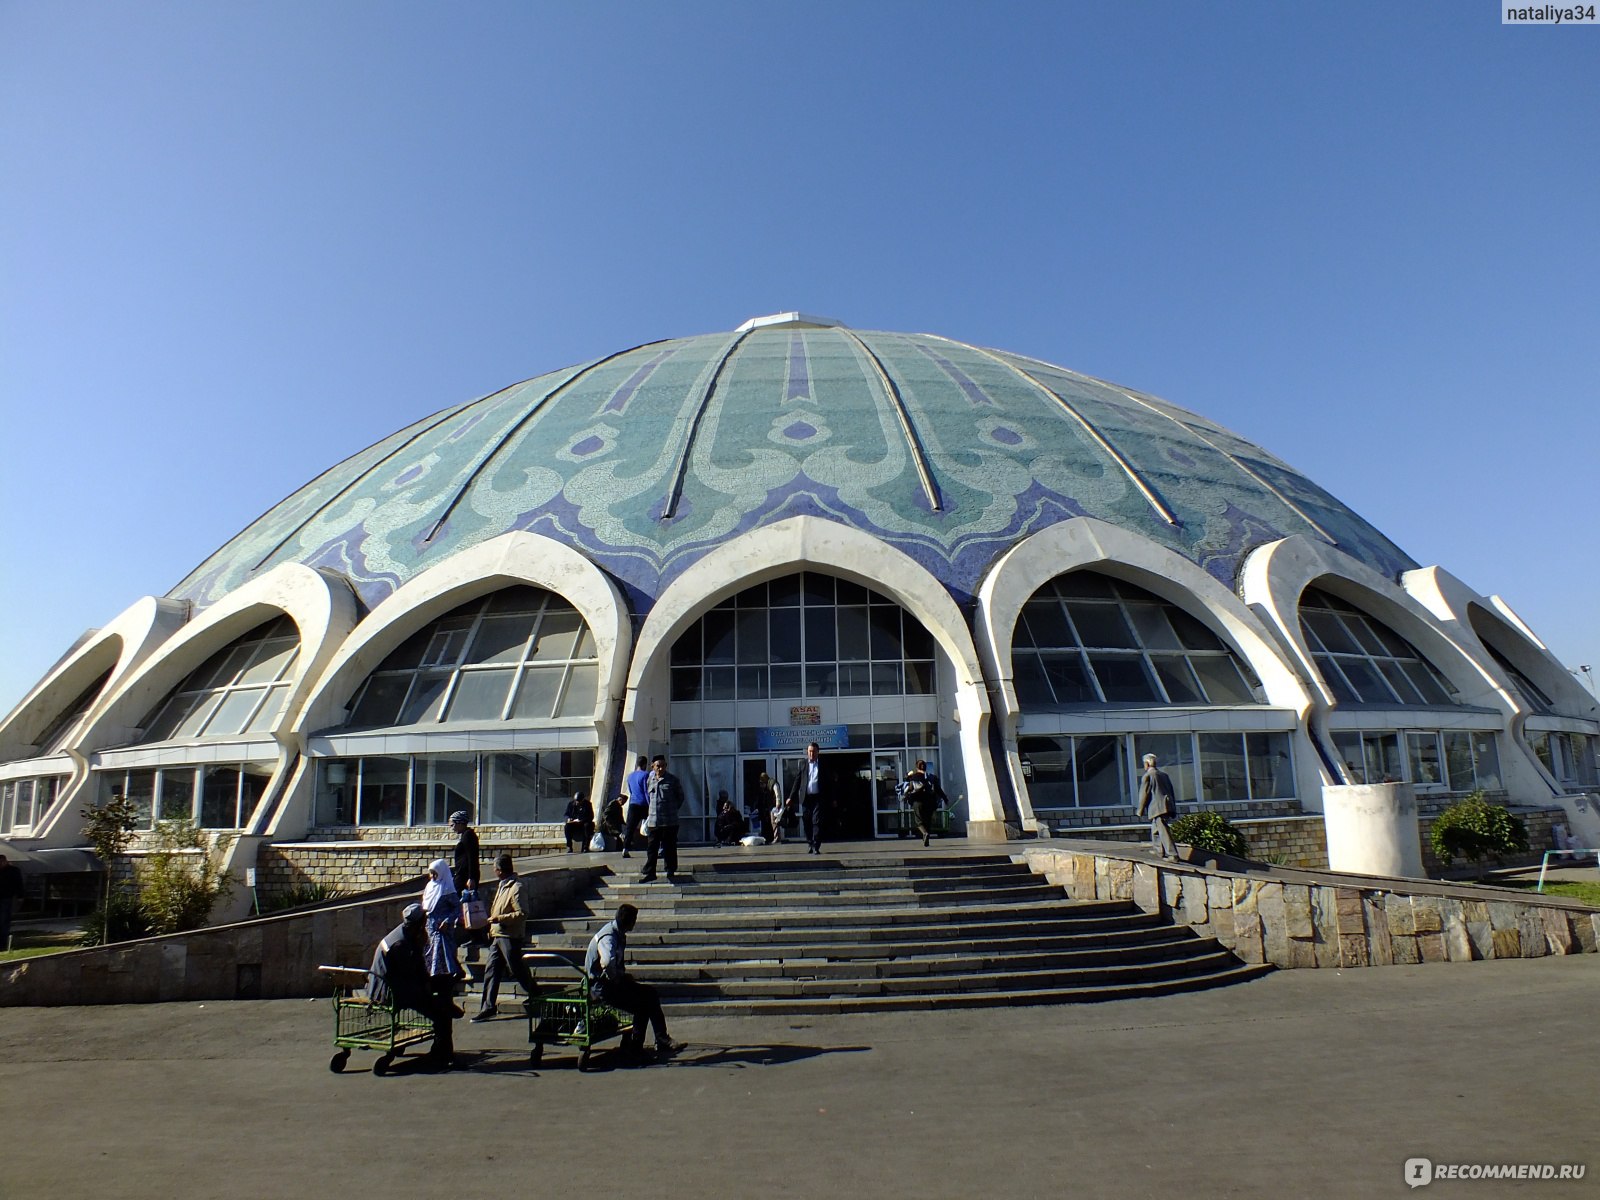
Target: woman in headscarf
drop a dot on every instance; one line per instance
(441, 906)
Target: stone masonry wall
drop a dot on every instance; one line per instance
(1294, 919)
(263, 959)
(1302, 841)
(1299, 841)
(360, 865)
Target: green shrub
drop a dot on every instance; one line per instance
(125, 921)
(1210, 831)
(1474, 829)
(177, 889)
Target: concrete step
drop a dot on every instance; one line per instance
(717, 885)
(950, 984)
(654, 898)
(930, 966)
(884, 922)
(1081, 994)
(793, 873)
(739, 950)
(787, 934)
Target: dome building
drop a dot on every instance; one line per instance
(724, 547)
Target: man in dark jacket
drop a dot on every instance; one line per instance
(466, 870)
(579, 826)
(666, 798)
(809, 793)
(399, 975)
(465, 867)
(10, 897)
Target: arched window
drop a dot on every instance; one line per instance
(238, 690)
(1086, 643)
(519, 654)
(1363, 661)
(1085, 639)
(805, 635)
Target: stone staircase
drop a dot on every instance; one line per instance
(884, 931)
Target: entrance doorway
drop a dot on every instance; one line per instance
(864, 789)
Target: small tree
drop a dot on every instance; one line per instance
(1210, 831)
(178, 889)
(1473, 829)
(109, 828)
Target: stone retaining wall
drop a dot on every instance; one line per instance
(268, 958)
(1302, 841)
(360, 865)
(1297, 919)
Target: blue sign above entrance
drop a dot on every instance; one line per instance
(798, 737)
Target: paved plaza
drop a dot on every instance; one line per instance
(1304, 1083)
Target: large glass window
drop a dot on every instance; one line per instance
(25, 803)
(240, 689)
(214, 796)
(804, 635)
(424, 789)
(1363, 661)
(1101, 771)
(1570, 757)
(1433, 760)
(1084, 639)
(520, 654)
(1532, 695)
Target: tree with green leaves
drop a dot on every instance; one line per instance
(181, 878)
(110, 830)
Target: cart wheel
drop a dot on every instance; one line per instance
(381, 1067)
(337, 1062)
(535, 1054)
(583, 1059)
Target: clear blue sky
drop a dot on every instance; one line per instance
(239, 241)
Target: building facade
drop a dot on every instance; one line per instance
(723, 547)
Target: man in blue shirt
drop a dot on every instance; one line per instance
(637, 785)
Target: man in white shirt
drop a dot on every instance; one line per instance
(807, 791)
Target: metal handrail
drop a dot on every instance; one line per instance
(1545, 862)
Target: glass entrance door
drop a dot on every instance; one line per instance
(886, 776)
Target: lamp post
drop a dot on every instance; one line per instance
(1587, 672)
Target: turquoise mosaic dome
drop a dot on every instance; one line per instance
(646, 459)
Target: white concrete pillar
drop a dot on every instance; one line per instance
(1372, 829)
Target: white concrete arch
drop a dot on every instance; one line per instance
(1088, 543)
(802, 543)
(1275, 576)
(1467, 613)
(512, 559)
(1272, 582)
(125, 642)
(323, 609)
(118, 648)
